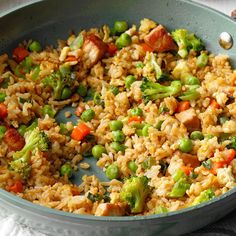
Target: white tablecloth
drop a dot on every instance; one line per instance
(227, 226)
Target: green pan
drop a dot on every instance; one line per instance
(52, 19)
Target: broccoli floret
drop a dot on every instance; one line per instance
(153, 91)
(34, 139)
(186, 41)
(204, 196)
(190, 94)
(57, 81)
(134, 192)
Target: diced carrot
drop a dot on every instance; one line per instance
(147, 48)
(71, 58)
(216, 165)
(183, 106)
(3, 111)
(186, 169)
(190, 160)
(136, 119)
(17, 187)
(229, 155)
(214, 104)
(14, 140)
(112, 49)
(79, 111)
(20, 53)
(80, 132)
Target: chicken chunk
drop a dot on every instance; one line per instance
(160, 40)
(188, 159)
(14, 140)
(110, 209)
(93, 50)
(189, 119)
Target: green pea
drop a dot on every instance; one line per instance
(118, 147)
(112, 171)
(123, 41)
(192, 80)
(66, 170)
(120, 26)
(35, 47)
(185, 145)
(139, 132)
(116, 125)
(118, 136)
(136, 111)
(159, 124)
(114, 90)
(132, 166)
(48, 110)
(196, 135)
(223, 119)
(22, 129)
(145, 130)
(98, 150)
(82, 90)
(202, 60)
(66, 93)
(3, 129)
(2, 97)
(87, 115)
(148, 163)
(129, 80)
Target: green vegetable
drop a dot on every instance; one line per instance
(66, 170)
(123, 41)
(23, 67)
(63, 129)
(185, 145)
(202, 60)
(118, 147)
(35, 73)
(34, 139)
(22, 129)
(161, 210)
(118, 136)
(232, 144)
(154, 91)
(129, 80)
(2, 97)
(223, 119)
(120, 27)
(116, 125)
(98, 150)
(139, 65)
(35, 47)
(148, 163)
(6, 79)
(186, 42)
(64, 70)
(82, 90)
(112, 171)
(164, 167)
(136, 111)
(195, 135)
(207, 164)
(159, 124)
(87, 115)
(66, 93)
(192, 80)
(114, 90)
(48, 110)
(145, 130)
(155, 66)
(90, 95)
(193, 175)
(204, 196)
(163, 109)
(3, 129)
(32, 126)
(77, 43)
(178, 175)
(94, 197)
(209, 136)
(132, 166)
(60, 83)
(190, 94)
(135, 192)
(180, 188)
(139, 132)
(97, 99)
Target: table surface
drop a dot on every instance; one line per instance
(227, 225)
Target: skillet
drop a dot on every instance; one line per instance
(47, 21)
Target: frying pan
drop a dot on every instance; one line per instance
(50, 20)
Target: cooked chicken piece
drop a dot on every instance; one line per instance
(160, 40)
(93, 50)
(188, 159)
(14, 140)
(110, 209)
(189, 119)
